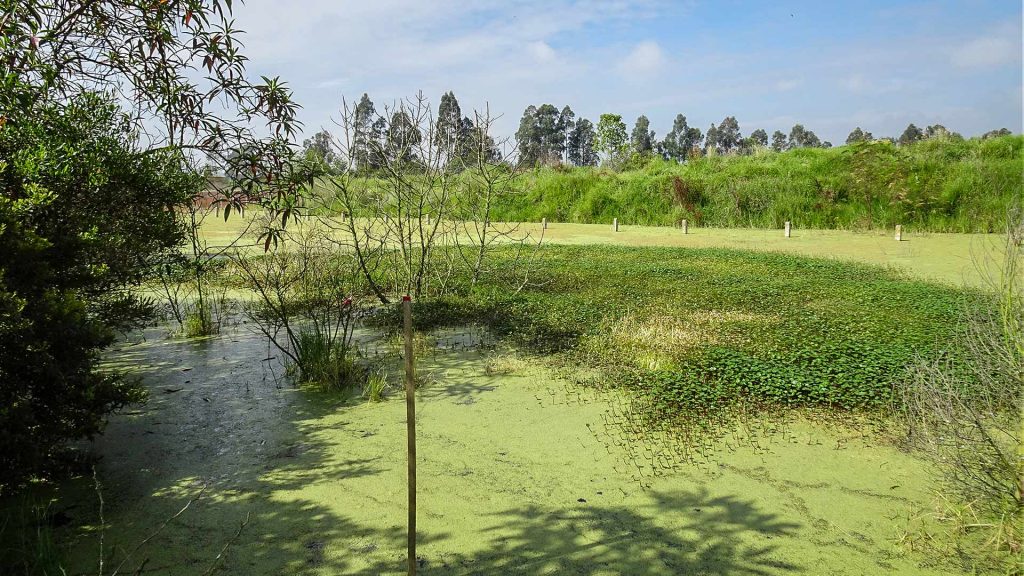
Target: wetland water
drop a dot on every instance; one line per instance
(514, 477)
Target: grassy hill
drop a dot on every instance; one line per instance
(938, 185)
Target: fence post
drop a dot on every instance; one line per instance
(615, 224)
(543, 223)
(686, 227)
(899, 232)
(789, 228)
(410, 427)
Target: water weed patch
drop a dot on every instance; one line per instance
(772, 328)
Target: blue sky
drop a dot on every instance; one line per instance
(829, 65)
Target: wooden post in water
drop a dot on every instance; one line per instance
(615, 224)
(899, 232)
(543, 223)
(789, 228)
(686, 227)
(410, 427)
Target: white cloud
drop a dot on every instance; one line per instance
(645, 58)
(541, 52)
(512, 54)
(988, 52)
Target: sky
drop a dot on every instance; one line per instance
(830, 65)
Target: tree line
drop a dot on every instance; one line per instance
(374, 138)
(548, 135)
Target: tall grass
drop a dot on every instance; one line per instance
(938, 185)
(27, 542)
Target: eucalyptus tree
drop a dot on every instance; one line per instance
(528, 137)
(759, 137)
(318, 150)
(582, 144)
(566, 124)
(996, 133)
(778, 141)
(450, 125)
(611, 137)
(675, 145)
(910, 135)
(642, 137)
(728, 135)
(365, 131)
(800, 137)
(858, 135)
(406, 224)
(711, 140)
(549, 134)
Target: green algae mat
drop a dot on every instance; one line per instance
(950, 258)
(518, 473)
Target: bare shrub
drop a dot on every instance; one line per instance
(421, 211)
(304, 304)
(964, 411)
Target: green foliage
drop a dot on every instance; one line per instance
(83, 217)
(324, 362)
(27, 542)
(939, 185)
(611, 137)
(376, 386)
(545, 133)
(199, 323)
(694, 330)
(642, 137)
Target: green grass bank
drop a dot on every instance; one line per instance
(938, 185)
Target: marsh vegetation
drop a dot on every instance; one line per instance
(197, 361)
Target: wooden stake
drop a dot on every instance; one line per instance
(615, 224)
(899, 232)
(686, 227)
(410, 427)
(789, 228)
(543, 223)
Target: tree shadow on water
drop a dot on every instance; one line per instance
(679, 533)
(210, 476)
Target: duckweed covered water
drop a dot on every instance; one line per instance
(517, 474)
